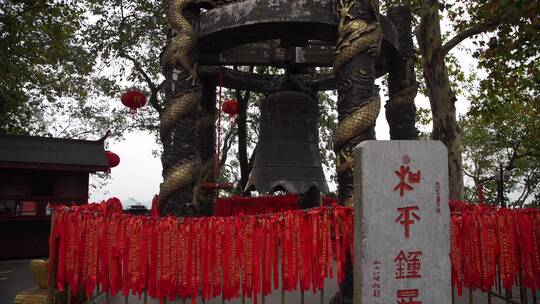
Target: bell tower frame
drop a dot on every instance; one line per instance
(349, 36)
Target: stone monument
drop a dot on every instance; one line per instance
(402, 223)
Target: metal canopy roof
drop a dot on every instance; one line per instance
(52, 153)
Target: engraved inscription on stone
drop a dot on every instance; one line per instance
(402, 232)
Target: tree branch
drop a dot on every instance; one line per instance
(471, 31)
(519, 203)
(139, 69)
(227, 144)
(154, 102)
(469, 174)
(526, 190)
(154, 89)
(242, 136)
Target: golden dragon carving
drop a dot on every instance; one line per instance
(187, 173)
(207, 170)
(180, 176)
(355, 36)
(178, 107)
(206, 121)
(207, 173)
(177, 51)
(354, 124)
(408, 91)
(404, 97)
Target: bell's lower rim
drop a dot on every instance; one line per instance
(291, 186)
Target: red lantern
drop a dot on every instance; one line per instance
(134, 99)
(112, 158)
(231, 107)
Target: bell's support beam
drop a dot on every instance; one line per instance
(264, 82)
(267, 54)
(272, 53)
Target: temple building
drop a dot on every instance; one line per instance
(35, 172)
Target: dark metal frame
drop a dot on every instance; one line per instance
(291, 34)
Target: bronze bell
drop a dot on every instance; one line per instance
(287, 156)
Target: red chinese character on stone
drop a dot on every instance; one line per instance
(408, 265)
(414, 178)
(403, 173)
(407, 296)
(407, 217)
(377, 293)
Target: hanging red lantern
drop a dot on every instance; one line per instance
(231, 107)
(112, 158)
(134, 99)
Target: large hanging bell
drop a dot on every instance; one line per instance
(287, 155)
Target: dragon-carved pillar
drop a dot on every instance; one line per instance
(206, 147)
(179, 118)
(402, 86)
(358, 45)
(359, 39)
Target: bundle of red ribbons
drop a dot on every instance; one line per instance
(245, 255)
(169, 257)
(486, 240)
(241, 205)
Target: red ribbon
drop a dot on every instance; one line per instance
(240, 205)
(98, 246)
(456, 253)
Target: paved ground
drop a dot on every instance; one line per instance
(275, 298)
(482, 298)
(16, 277)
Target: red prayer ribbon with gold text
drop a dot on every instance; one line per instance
(486, 239)
(97, 245)
(168, 257)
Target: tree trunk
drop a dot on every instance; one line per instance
(242, 139)
(440, 94)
